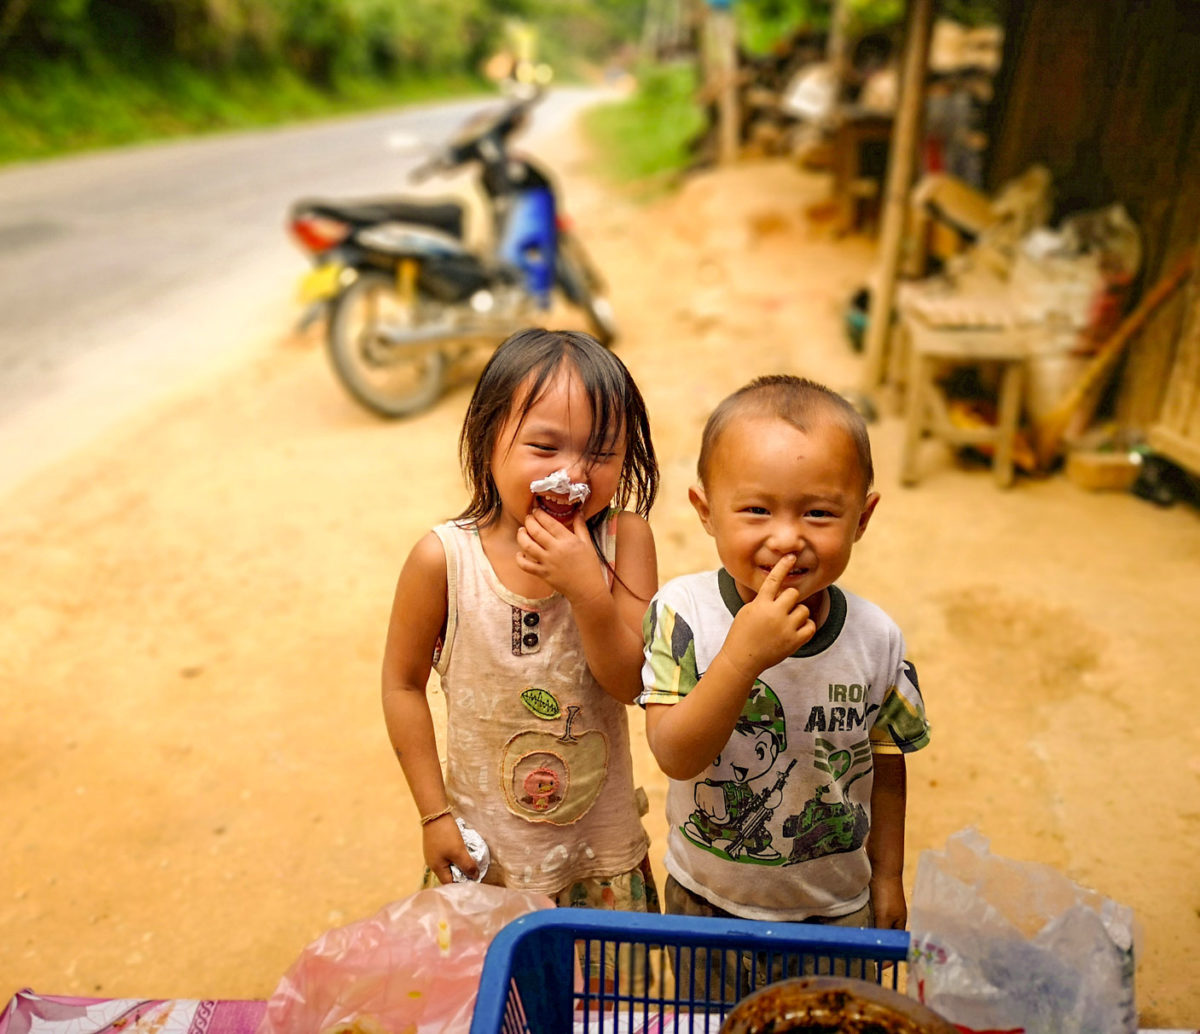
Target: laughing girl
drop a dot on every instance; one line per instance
(529, 606)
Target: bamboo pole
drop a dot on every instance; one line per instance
(901, 161)
(652, 31)
(836, 53)
(721, 73)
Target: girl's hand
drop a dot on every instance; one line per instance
(443, 845)
(774, 625)
(564, 558)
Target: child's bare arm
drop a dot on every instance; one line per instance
(418, 615)
(885, 845)
(609, 620)
(685, 737)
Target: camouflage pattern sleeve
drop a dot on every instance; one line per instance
(670, 669)
(900, 725)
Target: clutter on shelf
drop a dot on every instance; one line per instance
(998, 289)
(795, 99)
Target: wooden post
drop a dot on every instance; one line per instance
(837, 50)
(654, 31)
(721, 72)
(901, 160)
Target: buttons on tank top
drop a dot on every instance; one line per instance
(525, 637)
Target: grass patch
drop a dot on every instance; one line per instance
(55, 109)
(642, 143)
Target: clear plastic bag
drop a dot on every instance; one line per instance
(412, 968)
(1006, 945)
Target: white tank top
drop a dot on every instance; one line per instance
(537, 754)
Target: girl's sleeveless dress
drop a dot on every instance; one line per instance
(537, 754)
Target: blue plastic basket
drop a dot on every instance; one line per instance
(528, 985)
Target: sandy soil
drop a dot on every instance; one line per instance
(195, 776)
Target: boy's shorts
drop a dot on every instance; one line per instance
(733, 975)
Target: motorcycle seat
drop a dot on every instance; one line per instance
(446, 216)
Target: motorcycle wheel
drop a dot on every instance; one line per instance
(583, 285)
(390, 380)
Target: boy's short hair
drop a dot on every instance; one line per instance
(796, 400)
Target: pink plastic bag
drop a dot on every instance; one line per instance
(411, 968)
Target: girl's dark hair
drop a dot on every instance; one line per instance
(617, 405)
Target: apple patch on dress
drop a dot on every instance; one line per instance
(552, 776)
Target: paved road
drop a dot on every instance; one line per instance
(125, 272)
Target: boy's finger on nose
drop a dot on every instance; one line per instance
(770, 586)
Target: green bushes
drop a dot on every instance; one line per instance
(59, 107)
(316, 39)
(643, 141)
(90, 73)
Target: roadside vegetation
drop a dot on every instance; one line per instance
(641, 143)
(83, 74)
(60, 110)
(79, 74)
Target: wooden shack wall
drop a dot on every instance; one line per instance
(1106, 94)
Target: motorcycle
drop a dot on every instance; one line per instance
(403, 293)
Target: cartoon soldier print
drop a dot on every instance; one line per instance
(732, 815)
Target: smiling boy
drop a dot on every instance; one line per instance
(779, 704)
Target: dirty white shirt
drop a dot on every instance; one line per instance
(537, 753)
(776, 827)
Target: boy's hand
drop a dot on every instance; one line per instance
(774, 625)
(443, 845)
(887, 902)
(564, 558)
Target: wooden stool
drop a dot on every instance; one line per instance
(931, 348)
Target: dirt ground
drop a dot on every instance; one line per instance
(195, 776)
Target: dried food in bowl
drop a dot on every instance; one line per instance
(831, 1005)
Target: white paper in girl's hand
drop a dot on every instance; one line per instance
(560, 483)
(477, 848)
